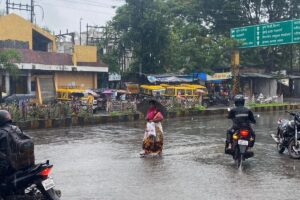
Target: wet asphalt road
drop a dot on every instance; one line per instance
(102, 162)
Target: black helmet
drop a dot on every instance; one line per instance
(239, 100)
(5, 117)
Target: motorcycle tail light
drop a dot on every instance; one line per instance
(46, 171)
(244, 133)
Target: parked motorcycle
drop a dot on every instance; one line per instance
(262, 99)
(287, 136)
(32, 183)
(212, 100)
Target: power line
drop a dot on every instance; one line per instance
(73, 8)
(89, 3)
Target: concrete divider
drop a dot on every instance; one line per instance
(97, 119)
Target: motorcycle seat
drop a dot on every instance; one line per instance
(22, 173)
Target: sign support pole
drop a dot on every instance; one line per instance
(235, 61)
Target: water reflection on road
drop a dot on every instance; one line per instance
(102, 162)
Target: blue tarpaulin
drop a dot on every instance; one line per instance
(199, 76)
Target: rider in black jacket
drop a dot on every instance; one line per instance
(241, 117)
(5, 119)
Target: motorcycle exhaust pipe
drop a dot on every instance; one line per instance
(275, 138)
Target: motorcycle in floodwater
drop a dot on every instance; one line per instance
(241, 142)
(31, 183)
(288, 136)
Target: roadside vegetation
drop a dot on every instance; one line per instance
(188, 36)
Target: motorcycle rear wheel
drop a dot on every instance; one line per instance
(292, 153)
(238, 159)
(36, 192)
(51, 194)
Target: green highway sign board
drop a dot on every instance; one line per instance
(277, 33)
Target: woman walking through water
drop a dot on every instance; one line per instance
(153, 137)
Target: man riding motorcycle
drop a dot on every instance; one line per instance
(5, 120)
(241, 117)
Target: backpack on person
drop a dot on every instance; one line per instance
(20, 148)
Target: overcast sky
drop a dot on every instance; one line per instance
(66, 14)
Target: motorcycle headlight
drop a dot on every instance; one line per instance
(279, 121)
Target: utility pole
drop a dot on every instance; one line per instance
(32, 11)
(87, 34)
(72, 34)
(291, 46)
(7, 8)
(235, 61)
(80, 31)
(93, 40)
(141, 35)
(21, 7)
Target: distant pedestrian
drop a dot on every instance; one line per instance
(90, 102)
(75, 104)
(109, 105)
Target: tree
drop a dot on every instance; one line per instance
(194, 35)
(194, 47)
(225, 14)
(8, 60)
(143, 27)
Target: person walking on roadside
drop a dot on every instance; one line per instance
(90, 103)
(153, 137)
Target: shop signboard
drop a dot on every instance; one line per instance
(114, 77)
(219, 76)
(132, 88)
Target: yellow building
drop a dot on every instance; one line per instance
(43, 70)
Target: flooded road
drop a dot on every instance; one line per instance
(102, 162)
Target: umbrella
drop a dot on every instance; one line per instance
(77, 94)
(144, 105)
(92, 93)
(123, 92)
(200, 91)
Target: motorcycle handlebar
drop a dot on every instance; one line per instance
(291, 113)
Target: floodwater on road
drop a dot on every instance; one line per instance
(102, 162)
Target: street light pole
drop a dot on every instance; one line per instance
(80, 30)
(141, 37)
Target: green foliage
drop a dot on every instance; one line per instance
(199, 108)
(8, 58)
(84, 113)
(115, 113)
(143, 27)
(194, 35)
(225, 14)
(111, 59)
